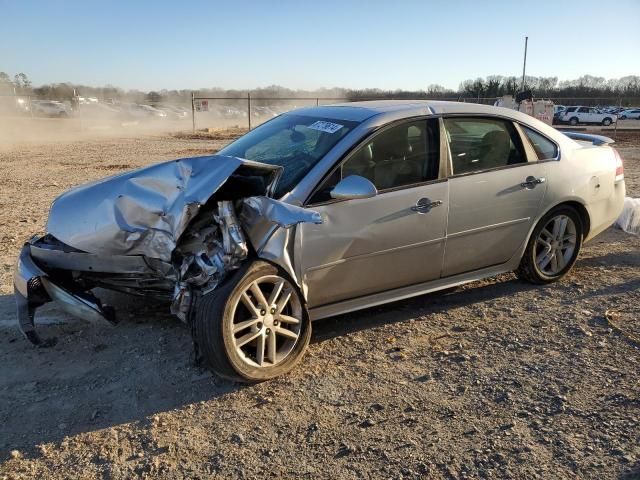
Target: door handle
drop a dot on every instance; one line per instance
(424, 205)
(531, 182)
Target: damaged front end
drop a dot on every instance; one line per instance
(171, 232)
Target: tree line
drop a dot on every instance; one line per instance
(625, 89)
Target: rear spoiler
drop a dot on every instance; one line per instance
(588, 137)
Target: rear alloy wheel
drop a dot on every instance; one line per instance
(254, 327)
(606, 122)
(553, 247)
(573, 121)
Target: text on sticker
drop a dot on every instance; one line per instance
(328, 127)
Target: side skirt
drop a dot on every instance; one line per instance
(403, 293)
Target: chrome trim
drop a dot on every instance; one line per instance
(496, 169)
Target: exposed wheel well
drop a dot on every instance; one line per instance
(584, 215)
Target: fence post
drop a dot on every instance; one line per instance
(317, 101)
(615, 127)
(249, 108)
(193, 113)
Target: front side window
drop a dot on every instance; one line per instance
(294, 142)
(544, 148)
(401, 156)
(479, 144)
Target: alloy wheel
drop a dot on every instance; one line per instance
(267, 321)
(555, 245)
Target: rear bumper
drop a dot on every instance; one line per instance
(34, 287)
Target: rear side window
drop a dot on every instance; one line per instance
(570, 109)
(545, 148)
(479, 144)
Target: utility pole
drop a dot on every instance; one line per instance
(524, 66)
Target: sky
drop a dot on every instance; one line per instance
(393, 44)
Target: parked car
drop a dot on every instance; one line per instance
(323, 211)
(630, 113)
(231, 112)
(587, 115)
(264, 112)
(558, 110)
(173, 111)
(50, 108)
(143, 112)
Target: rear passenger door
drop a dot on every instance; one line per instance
(495, 192)
(584, 115)
(594, 116)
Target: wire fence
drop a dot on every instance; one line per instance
(249, 111)
(244, 111)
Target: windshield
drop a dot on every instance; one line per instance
(294, 142)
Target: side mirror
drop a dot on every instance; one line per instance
(352, 187)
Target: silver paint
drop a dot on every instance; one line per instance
(143, 212)
(344, 254)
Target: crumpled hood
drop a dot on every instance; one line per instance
(145, 211)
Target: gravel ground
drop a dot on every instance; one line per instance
(496, 379)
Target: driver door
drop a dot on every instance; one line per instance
(391, 240)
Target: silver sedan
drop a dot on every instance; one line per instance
(323, 211)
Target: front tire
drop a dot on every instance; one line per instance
(573, 122)
(606, 122)
(254, 327)
(553, 247)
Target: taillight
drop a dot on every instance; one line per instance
(619, 165)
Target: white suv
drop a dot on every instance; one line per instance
(576, 115)
(630, 113)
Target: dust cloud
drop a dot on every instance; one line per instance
(100, 123)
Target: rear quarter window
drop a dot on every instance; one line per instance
(545, 149)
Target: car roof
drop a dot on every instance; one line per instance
(360, 111)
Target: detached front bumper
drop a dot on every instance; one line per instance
(33, 287)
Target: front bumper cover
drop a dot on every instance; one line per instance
(34, 287)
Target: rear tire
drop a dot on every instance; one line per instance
(254, 327)
(573, 121)
(606, 122)
(553, 247)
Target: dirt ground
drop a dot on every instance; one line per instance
(497, 379)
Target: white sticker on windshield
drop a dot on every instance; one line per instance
(328, 127)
